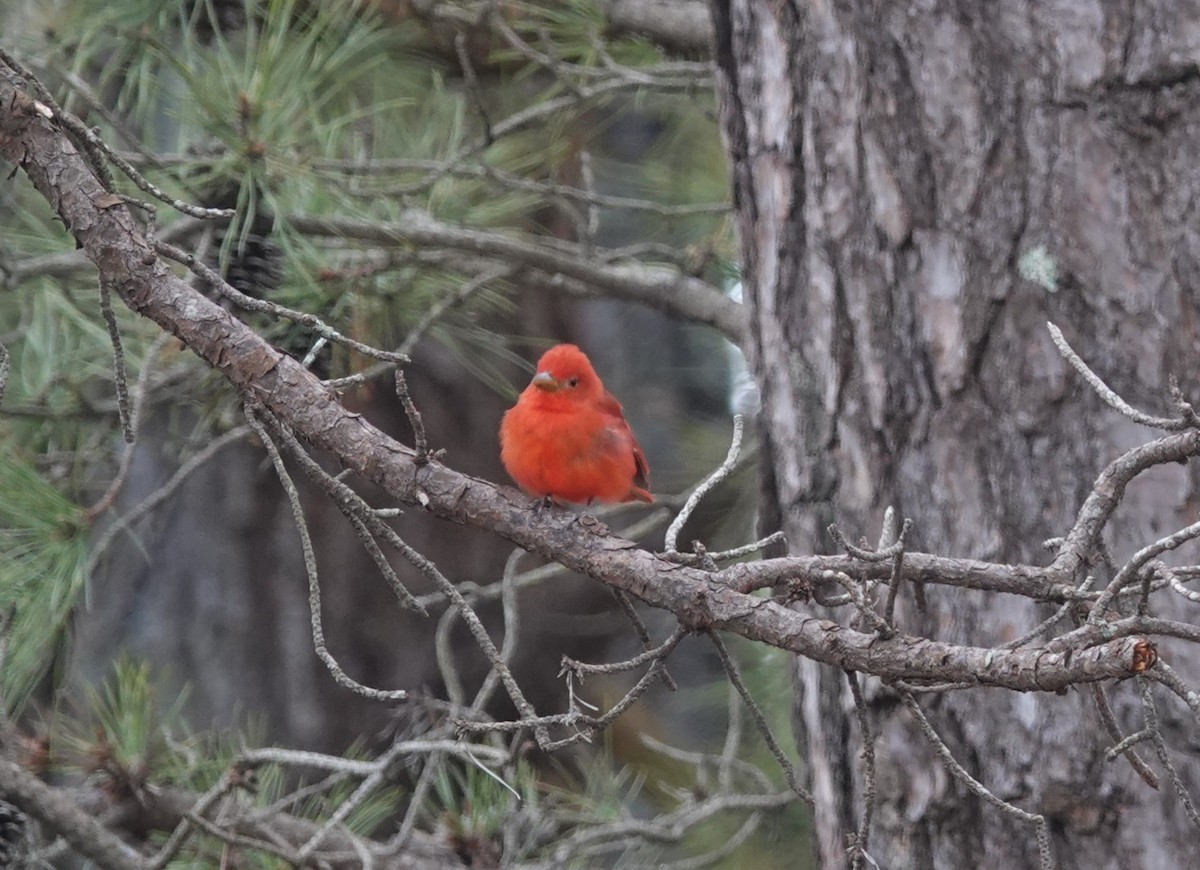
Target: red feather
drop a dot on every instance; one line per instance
(567, 437)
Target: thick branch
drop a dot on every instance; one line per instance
(543, 266)
(657, 286)
(1029, 581)
(129, 266)
(679, 25)
(54, 809)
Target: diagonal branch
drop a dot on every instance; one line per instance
(130, 267)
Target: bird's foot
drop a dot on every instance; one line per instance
(544, 504)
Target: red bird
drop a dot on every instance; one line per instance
(566, 437)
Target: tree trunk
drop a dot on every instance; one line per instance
(892, 163)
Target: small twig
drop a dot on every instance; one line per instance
(183, 830)
(444, 652)
(1128, 743)
(865, 608)
(593, 725)
(889, 608)
(262, 306)
(1166, 675)
(162, 493)
(582, 669)
(1186, 411)
(1109, 721)
(858, 848)
(1177, 586)
(1160, 749)
(1046, 624)
(745, 549)
(642, 632)
(1133, 567)
(861, 553)
(139, 402)
(512, 627)
(1046, 858)
(314, 351)
(702, 490)
(1109, 396)
(98, 150)
(310, 567)
(120, 374)
(5, 364)
(420, 444)
(349, 804)
(760, 718)
(416, 803)
(353, 508)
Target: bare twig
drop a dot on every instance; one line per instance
(163, 492)
(1165, 674)
(889, 608)
(1134, 566)
(310, 566)
(262, 306)
(733, 739)
(1051, 621)
(706, 485)
(184, 828)
(1109, 721)
(4, 370)
(468, 69)
(353, 507)
(642, 632)
(977, 788)
(760, 718)
(582, 669)
(139, 401)
(120, 374)
(858, 848)
(512, 627)
(1160, 749)
(1106, 393)
(420, 444)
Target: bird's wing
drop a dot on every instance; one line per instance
(617, 424)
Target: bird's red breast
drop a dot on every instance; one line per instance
(567, 437)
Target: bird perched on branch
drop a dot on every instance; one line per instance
(567, 439)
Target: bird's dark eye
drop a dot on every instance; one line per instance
(573, 382)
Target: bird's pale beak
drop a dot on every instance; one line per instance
(545, 381)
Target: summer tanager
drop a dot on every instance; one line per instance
(567, 439)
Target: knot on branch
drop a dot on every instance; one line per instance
(1145, 656)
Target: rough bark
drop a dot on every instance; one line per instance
(805, 420)
(891, 164)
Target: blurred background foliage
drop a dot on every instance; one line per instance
(525, 119)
